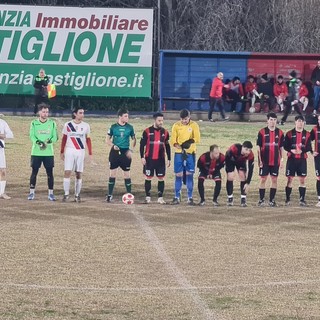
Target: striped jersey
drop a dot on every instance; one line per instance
(154, 144)
(234, 154)
(76, 134)
(208, 166)
(297, 140)
(270, 143)
(315, 136)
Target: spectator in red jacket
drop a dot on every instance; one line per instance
(251, 90)
(303, 94)
(235, 93)
(280, 91)
(216, 97)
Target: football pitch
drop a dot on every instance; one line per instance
(94, 260)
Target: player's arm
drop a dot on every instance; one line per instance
(134, 141)
(8, 134)
(287, 143)
(143, 143)
(196, 133)
(250, 170)
(54, 135)
(89, 145)
(174, 138)
(259, 156)
(221, 163)
(63, 146)
(308, 147)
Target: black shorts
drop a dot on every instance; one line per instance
(36, 161)
(118, 159)
(317, 165)
(231, 165)
(155, 166)
(215, 177)
(266, 170)
(296, 167)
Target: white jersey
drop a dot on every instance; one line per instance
(4, 129)
(76, 134)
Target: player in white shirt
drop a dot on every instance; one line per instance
(5, 133)
(76, 136)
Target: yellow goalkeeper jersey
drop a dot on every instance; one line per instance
(182, 133)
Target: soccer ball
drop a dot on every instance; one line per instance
(128, 198)
(252, 110)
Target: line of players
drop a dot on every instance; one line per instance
(271, 144)
(155, 153)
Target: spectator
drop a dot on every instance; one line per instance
(315, 79)
(280, 91)
(303, 94)
(251, 90)
(235, 93)
(216, 97)
(293, 97)
(265, 87)
(40, 85)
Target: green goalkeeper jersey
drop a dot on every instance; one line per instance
(43, 135)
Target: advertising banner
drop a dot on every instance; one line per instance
(84, 51)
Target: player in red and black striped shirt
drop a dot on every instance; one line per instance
(210, 164)
(297, 143)
(154, 146)
(315, 136)
(270, 151)
(240, 157)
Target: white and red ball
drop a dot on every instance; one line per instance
(252, 109)
(128, 198)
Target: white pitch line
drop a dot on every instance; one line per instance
(173, 269)
(159, 289)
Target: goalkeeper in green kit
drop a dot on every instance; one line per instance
(43, 134)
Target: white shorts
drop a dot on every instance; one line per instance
(2, 159)
(74, 160)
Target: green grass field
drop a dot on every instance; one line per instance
(95, 260)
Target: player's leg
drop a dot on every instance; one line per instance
(263, 173)
(69, 162)
(125, 166)
(230, 166)
(190, 168)
(48, 163)
(148, 175)
(178, 171)
(274, 172)
(160, 169)
(3, 181)
(77, 186)
(201, 180)
(79, 166)
(290, 173)
(217, 189)
(242, 178)
(114, 163)
(302, 175)
(35, 164)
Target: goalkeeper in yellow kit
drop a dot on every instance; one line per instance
(185, 135)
